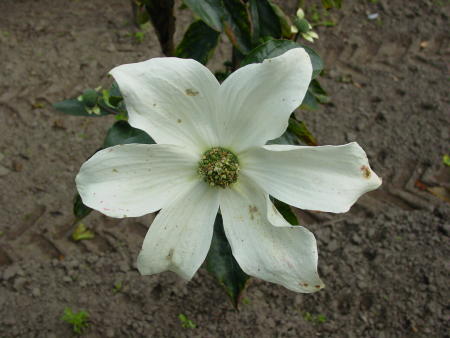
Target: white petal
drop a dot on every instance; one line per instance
(258, 99)
(135, 179)
(180, 236)
(327, 178)
(284, 255)
(173, 100)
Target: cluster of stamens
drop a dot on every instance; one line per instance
(219, 167)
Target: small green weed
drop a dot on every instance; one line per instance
(316, 319)
(186, 322)
(82, 232)
(117, 287)
(78, 320)
(139, 37)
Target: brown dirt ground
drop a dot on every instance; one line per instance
(385, 263)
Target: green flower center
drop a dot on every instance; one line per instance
(219, 167)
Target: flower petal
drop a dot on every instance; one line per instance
(326, 178)
(180, 236)
(258, 99)
(172, 99)
(284, 255)
(135, 179)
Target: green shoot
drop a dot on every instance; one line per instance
(316, 319)
(117, 287)
(139, 37)
(186, 322)
(78, 320)
(81, 232)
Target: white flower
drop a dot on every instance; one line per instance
(183, 107)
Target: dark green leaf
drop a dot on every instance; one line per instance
(273, 48)
(320, 94)
(221, 264)
(265, 21)
(237, 26)
(163, 20)
(111, 98)
(286, 211)
(287, 138)
(79, 209)
(114, 90)
(299, 129)
(310, 101)
(77, 107)
(315, 95)
(115, 100)
(297, 133)
(328, 4)
(122, 133)
(198, 42)
(229, 16)
(284, 20)
(210, 11)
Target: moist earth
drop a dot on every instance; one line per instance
(385, 263)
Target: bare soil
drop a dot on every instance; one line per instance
(385, 263)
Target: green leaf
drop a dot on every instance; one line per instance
(284, 20)
(237, 26)
(122, 133)
(273, 48)
(77, 107)
(287, 138)
(161, 13)
(286, 211)
(92, 103)
(315, 95)
(265, 21)
(229, 16)
(198, 42)
(310, 102)
(221, 264)
(79, 209)
(316, 89)
(299, 129)
(211, 12)
(296, 133)
(328, 4)
(114, 90)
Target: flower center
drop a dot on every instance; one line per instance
(219, 167)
